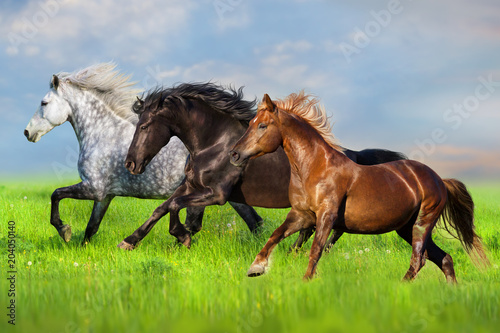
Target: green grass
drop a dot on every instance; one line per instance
(163, 287)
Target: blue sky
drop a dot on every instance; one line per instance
(421, 77)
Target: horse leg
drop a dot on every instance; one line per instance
(333, 239)
(98, 211)
(180, 198)
(442, 259)
(131, 241)
(406, 233)
(304, 236)
(194, 219)
(307, 233)
(324, 226)
(249, 215)
(294, 222)
(206, 197)
(77, 191)
(421, 231)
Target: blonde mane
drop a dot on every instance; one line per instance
(307, 107)
(112, 87)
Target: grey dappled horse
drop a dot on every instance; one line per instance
(97, 102)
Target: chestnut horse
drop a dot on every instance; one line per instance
(329, 191)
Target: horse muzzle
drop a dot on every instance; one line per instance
(133, 168)
(32, 137)
(236, 159)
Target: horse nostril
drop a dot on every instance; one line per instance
(26, 134)
(234, 155)
(129, 165)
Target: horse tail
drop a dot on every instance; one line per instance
(459, 214)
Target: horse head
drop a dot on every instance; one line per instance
(53, 111)
(151, 134)
(261, 137)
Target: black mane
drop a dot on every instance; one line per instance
(225, 100)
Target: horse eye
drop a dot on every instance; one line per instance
(44, 103)
(143, 127)
(262, 126)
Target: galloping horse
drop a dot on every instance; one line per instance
(97, 101)
(329, 191)
(209, 120)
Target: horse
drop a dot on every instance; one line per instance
(329, 191)
(209, 119)
(97, 101)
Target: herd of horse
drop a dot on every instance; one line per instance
(201, 144)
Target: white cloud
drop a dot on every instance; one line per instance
(32, 50)
(296, 46)
(74, 28)
(279, 80)
(276, 59)
(12, 50)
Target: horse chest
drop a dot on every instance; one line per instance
(299, 195)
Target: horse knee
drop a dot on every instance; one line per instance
(160, 211)
(55, 196)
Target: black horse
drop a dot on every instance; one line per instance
(209, 120)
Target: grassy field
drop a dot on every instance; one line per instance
(163, 287)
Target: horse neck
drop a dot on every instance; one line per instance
(304, 146)
(202, 127)
(91, 116)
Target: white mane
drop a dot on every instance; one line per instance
(112, 87)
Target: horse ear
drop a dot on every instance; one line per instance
(55, 82)
(160, 102)
(268, 102)
(137, 107)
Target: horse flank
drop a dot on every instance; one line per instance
(307, 107)
(112, 87)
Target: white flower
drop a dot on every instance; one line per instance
(388, 251)
(76, 264)
(25, 197)
(367, 250)
(229, 225)
(360, 251)
(29, 263)
(346, 256)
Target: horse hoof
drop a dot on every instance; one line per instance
(256, 270)
(126, 246)
(307, 278)
(65, 232)
(186, 241)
